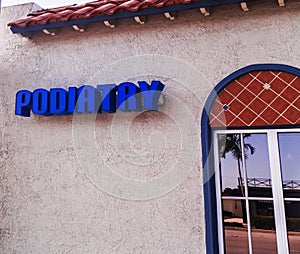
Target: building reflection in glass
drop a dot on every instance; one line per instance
(289, 150)
(252, 198)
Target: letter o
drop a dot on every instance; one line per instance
(40, 102)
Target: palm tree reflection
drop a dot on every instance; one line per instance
(231, 144)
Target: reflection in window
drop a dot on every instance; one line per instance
(263, 232)
(235, 227)
(258, 167)
(236, 206)
(292, 213)
(246, 192)
(231, 165)
(289, 149)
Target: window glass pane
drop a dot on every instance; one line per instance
(292, 213)
(235, 226)
(231, 165)
(257, 165)
(263, 227)
(289, 149)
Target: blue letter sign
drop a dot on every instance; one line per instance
(88, 99)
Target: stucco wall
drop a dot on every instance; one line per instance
(49, 203)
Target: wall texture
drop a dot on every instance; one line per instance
(49, 201)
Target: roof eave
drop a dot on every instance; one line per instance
(124, 15)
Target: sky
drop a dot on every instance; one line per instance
(257, 165)
(45, 3)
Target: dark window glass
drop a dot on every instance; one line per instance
(263, 232)
(235, 226)
(292, 213)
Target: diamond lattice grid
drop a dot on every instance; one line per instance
(259, 98)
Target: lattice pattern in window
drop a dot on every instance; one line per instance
(259, 98)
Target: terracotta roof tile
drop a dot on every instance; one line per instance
(88, 10)
(104, 10)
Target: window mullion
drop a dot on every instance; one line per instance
(246, 194)
(219, 195)
(279, 212)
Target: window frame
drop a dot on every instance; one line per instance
(209, 184)
(277, 186)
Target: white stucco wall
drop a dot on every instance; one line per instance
(48, 203)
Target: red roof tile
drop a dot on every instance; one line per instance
(89, 10)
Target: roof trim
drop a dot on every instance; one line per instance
(126, 14)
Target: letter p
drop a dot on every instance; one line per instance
(23, 103)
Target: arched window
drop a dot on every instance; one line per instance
(250, 133)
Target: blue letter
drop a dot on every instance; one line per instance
(23, 103)
(151, 93)
(40, 102)
(108, 95)
(86, 100)
(127, 97)
(58, 101)
(72, 99)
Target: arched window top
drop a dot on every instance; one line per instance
(262, 95)
(258, 95)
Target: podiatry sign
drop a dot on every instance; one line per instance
(88, 99)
